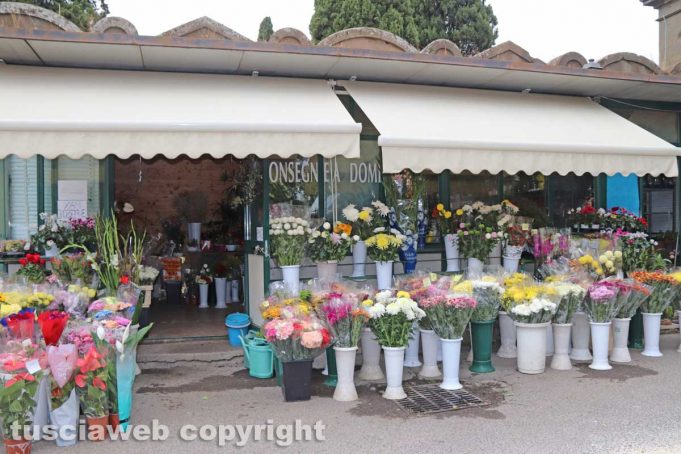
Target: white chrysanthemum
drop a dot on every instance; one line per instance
(376, 310)
(351, 213)
(315, 234)
(356, 237)
(393, 308)
(287, 226)
(344, 236)
(383, 296)
(327, 226)
(521, 309)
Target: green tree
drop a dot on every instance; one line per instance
(266, 29)
(471, 24)
(83, 13)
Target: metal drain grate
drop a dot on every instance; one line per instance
(430, 398)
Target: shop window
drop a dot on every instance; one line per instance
(528, 192)
(356, 181)
(466, 188)
(566, 192)
(659, 201)
(294, 187)
(86, 168)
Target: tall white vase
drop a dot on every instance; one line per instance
(429, 344)
(475, 267)
(651, 334)
(203, 296)
(327, 271)
(394, 364)
(495, 255)
(221, 292)
(345, 368)
(452, 252)
(512, 256)
(384, 275)
(531, 339)
(439, 352)
(235, 291)
(561, 343)
(451, 361)
(620, 350)
(371, 357)
(291, 275)
(508, 336)
(194, 235)
(359, 258)
(600, 340)
(580, 337)
(549, 340)
(411, 357)
(678, 314)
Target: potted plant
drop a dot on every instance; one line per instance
(192, 208)
(91, 384)
(289, 238)
(204, 279)
(449, 315)
(532, 314)
(487, 294)
(382, 248)
(328, 246)
(345, 318)
(392, 319)
(32, 268)
(570, 297)
(363, 222)
(296, 337)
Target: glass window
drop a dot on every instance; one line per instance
(294, 187)
(402, 193)
(466, 188)
(86, 168)
(528, 192)
(566, 192)
(658, 203)
(356, 181)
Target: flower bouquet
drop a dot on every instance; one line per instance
(392, 320)
(64, 404)
(21, 325)
(91, 384)
(289, 238)
(329, 246)
(600, 303)
(204, 278)
(32, 268)
(52, 324)
(52, 235)
(73, 268)
(449, 315)
(665, 290)
(449, 224)
(363, 223)
(570, 297)
(382, 248)
(487, 293)
(630, 295)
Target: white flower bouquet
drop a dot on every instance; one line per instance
(289, 237)
(487, 293)
(392, 318)
(205, 276)
(571, 296)
(327, 244)
(537, 310)
(147, 274)
(362, 221)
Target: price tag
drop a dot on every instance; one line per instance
(433, 277)
(32, 366)
(525, 227)
(426, 282)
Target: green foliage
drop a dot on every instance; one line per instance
(83, 13)
(471, 24)
(266, 29)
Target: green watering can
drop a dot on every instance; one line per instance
(258, 354)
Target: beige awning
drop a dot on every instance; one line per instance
(76, 112)
(437, 128)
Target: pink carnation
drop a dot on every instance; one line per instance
(311, 339)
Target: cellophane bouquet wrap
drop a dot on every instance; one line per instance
(421, 285)
(487, 293)
(289, 239)
(664, 290)
(600, 303)
(392, 317)
(344, 316)
(630, 296)
(449, 313)
(569, 298)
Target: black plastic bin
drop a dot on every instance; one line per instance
(296, 380)
(173, 292)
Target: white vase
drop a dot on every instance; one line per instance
(531, 339)
(371, 357)
(52, 251)
(203, 296)
(345, 368)
(512, 255)
(620, 350)
(291, 276)
(651, 334)
(580, 337)
(507, 335)
(469, 357)
(600, 341)
(549, 340)
(451, 361)
(194, 235)
(221, 292)
(327, 271)
(474, 267)
(439, 352)
(235, 291)
(561, 344)
(452, 252)
(495, 255)
(429, 344)
(394, 364)
(678, 314)
(384, 275)
(359, 258)
(411, 356)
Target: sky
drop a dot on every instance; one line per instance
(545, 28)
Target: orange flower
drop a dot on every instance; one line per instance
(80, 380)
(99, 383)
(90, 361)
(343, 228)
(19, 377)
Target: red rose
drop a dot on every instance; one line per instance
(23, 261)
(125, 279)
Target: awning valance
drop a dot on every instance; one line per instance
(438, 128)
(76, 112)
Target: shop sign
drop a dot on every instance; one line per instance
(304, 171)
